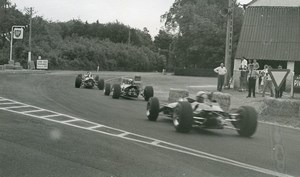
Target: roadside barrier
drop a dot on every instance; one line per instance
(280, 107)
(175, 94)
(224, 100)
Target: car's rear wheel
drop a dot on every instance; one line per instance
(148, 92)
(100, 84)
(152, 109)
(183, 117)
(116, 91)
(246, 123)
(78, 81)
(107, 89)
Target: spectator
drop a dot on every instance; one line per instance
(267, 81)
(255, 65)
(221, 70)
(251, 78)
(244, 64)
(280, 89)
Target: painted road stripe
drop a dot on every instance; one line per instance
(94, 127)
(31, 111)
(14, 107)
(158, 143)
(123, 134)
(8, 103)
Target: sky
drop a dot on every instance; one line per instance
(135, 13)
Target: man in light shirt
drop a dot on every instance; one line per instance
(244, 64)
(221, 70)
(267, 81)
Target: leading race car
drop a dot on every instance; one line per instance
(205, 113)
(89, 81)
(129, 88)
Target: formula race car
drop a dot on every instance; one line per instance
(204, 113)
(89, 81)
(129, 88)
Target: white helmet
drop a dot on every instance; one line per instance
(201, 96)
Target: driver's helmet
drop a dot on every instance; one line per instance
(130, 81)
(201, 96)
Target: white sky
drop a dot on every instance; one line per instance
(135, 13)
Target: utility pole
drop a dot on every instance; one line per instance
(229, 38)
(30, 24)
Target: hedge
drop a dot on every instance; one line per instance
(195, 72)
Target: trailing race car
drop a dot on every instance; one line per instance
(204, 113)
(129, 88)
(89, 81)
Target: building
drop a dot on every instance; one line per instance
(271, 35)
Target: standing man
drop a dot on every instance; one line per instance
(244, 64)
(255, 65)
(221, 70)
(267, 81)
(251, 78)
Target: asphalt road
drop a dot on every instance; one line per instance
(34, 147)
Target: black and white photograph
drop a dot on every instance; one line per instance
(159, 88)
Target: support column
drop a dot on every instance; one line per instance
(289, 79)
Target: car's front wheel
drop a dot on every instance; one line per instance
(183, 117)
(116, 91)
(78, 81)
(152, 109)
(148, 92)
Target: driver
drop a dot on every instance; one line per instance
(88, 74)
(201, 97)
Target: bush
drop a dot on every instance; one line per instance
(195, 72)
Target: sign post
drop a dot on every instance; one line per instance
(296, 85)
(278, 77)
(16, 33)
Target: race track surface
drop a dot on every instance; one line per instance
(34, 147)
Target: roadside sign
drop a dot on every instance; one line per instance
(296, 84)
(18, 33)
(41, 64)
(278, 76)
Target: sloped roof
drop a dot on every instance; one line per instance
(270, 33)
(275, 3)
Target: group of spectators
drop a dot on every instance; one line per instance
(265, 80)
(251, 68)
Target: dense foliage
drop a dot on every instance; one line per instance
(78, 45)
(193, 37)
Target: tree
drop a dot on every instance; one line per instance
(201, 31)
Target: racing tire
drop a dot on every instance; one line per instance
(78, 81)
(247, 121)
(96, 78)
(183, 117)
(107, 89)
(100, 84)
(116, 91)
(148, 92)
(152, 109)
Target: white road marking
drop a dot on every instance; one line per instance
(153, 142)
(7, 103)
(123, 134)
(14, 107)
(94, 127)
(32, 111)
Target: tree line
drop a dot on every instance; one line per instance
(193, 36)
